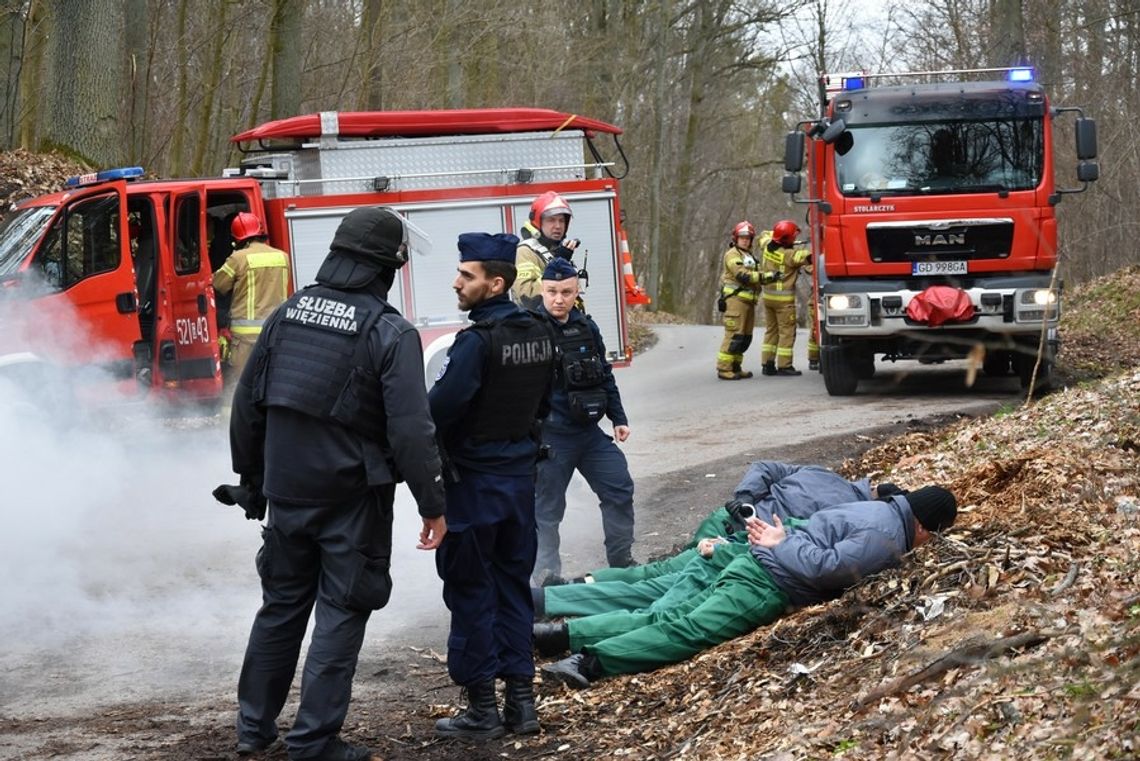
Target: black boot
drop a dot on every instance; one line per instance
(481, 720)
(769, 367)
(551, 639)
(538, 597)
(519, 714)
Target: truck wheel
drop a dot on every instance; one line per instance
(864, 364)
(997, 364)
(1044, 373)
(840, 374)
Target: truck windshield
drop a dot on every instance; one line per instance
(940, 157)
(20, 237)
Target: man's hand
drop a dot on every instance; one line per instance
(621, 433)
(707, 546)
(766, 534)
(432, 533)
(774, 277)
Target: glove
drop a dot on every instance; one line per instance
(773, 277)
(744, 277)
(250, 500)
(225, 344)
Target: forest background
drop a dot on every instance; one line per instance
(704, 89)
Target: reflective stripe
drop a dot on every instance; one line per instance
(245, 330)
(768, 348)
(266, 259)
(247, 323)
(779, 297)
(528, 268)
(226, 268)
(726, 357)
(782, 352)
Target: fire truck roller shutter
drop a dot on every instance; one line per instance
(310, 233)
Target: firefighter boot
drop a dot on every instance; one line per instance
(519, 714)
(481, 720)
(742, 373)
(789, 370)
(551, 639)
(769, 367)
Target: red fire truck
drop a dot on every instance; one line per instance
(111, 277)
(931, 214)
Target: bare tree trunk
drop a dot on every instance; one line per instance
(137, 43)
(657, 163)
(454, 67)
(31, 73)
(182, 107)
(86, 91)
(210, 89)
(11, 57)
(370, 97)
(1008, 45)
(286, 47)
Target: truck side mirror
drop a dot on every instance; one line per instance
(833, 131)
(1086, 139)
(790, 183)
(1088, 171)
(794, 151)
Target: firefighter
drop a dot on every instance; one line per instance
(258, 276)
(550, 215)
(584, 393)
(740, 285)
(487, 401)
(783, 260)
(328, 416)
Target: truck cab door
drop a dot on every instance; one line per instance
(189, 359)
(84, 263)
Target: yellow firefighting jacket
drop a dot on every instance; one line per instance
(741, 276)
(784, 259)
(258, 275)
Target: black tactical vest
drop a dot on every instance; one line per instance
(516, 375)
(581, 370)
(317, 360)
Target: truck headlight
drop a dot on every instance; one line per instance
(1036, 304)
(848, 310)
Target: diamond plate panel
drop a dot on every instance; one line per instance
(429, 163)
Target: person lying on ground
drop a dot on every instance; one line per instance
(768, 489)
(782, 568)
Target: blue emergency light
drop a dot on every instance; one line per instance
(853, 83)
(1021, 74)
(107, 175)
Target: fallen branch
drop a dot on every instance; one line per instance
(965, 655)
(1067, 581)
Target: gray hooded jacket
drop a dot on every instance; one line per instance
(797, 491)
(837, 547)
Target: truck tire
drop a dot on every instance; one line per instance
(840, 374)
(864, 364)
(997, 364)
(1024, 364)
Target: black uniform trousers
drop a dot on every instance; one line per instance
(333, 557)
(485, 561)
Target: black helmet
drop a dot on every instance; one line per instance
(369, 240)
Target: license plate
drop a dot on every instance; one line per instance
(938, 268)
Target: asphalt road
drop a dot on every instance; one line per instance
(124, 581)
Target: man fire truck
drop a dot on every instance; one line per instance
(932, 219)
(71, 295)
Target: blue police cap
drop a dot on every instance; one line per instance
(559, 269)
(481, 247)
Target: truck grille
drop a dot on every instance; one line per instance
(940, 239)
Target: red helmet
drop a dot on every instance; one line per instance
(785, 232)
(744, 229)
(246, 226)
(549, 204)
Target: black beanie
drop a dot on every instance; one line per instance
(934, 507)
(887, 489)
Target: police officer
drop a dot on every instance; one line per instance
(257, 277)
(328, 416)
(550, 218)
(490, 394)
(584, 393)
(782, 262)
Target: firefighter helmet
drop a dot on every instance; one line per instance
(744, 229)
(246, 226)
(549, 204)
(785, 232)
